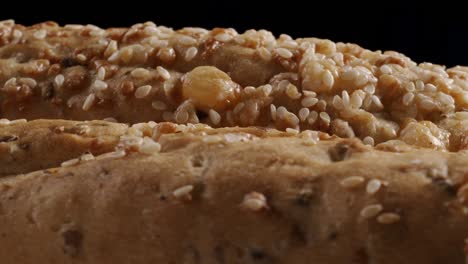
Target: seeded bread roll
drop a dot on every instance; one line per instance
(240, 195)
(149, 73)
(274, 150)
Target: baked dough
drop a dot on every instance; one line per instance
(148, 73)
(239, 195)
(275, 150)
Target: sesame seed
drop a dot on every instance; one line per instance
(70, 163)
(327, 78)
(325, 117)
(427, 104)
(81, 57)
(167, 87)
(361, 79)
(40, 34)
(149, 146)
(419, 85)
(352, 181)
(368, 141)
(58, 80)
(215, 117)
(99, 86)
(267, 88)
(309, 93)
(190, 53)
(303, 114)
(408, 98)
(446, 99)
(337, 102)
(321, 105)
(126, 54)
(292, 131)
(29, 82)
(290, 44)
(410, 87)
(370, 89)
(292, 92)
(388, 218)
(313, 116)
(89, 101)
(371, 211)
(282, 85)
(111, 49)
(186, 40)
(87, 157)
(223, 37)
(349, 75)
(254, 201)
(376, 101)
(115, 155)
(284, 53)
(159, 105)
(373, 186)
(430, 88)
(163, 73)
(461, 115)
(114, 57)
(385, 69)
(110, 119)
(291, 118)
(143, 91)
(264, 53)
(309, 101)
(238, 108)
(181, 116)
(183, 191)
(167, 55)
(101, 73)
(273, 111)
(345, 98)
(356, 100)
(140, 73)
(249, 90)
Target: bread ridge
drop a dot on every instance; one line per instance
(192, 202)
(144, 73)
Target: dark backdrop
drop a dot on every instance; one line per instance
(430, 32)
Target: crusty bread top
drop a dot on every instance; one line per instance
(279, 196)
(222, 78)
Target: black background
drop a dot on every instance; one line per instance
(434, 32)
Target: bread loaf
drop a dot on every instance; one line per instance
(220, 147)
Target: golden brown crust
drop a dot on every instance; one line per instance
(148, 73)
(43, 144)
(202, 200)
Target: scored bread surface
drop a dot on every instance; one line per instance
(153, 145)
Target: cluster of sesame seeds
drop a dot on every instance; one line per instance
(372, 210)
(310, 83)
(372, 186)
